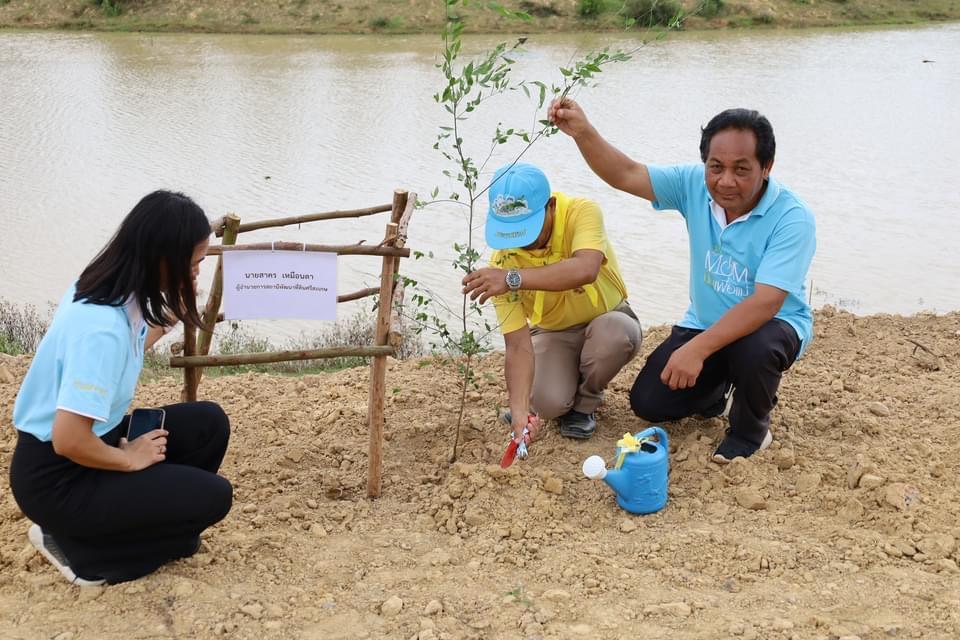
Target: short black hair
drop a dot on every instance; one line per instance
(149, 258)
(745, 120)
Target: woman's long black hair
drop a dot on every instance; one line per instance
(149, 258)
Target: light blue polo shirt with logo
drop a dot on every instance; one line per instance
(772, 245)
(88, 363)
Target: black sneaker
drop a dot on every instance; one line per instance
(736, 447)
(574, 424)
(721, 409)
(46, 545)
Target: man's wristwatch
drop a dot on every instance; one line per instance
(513, 279)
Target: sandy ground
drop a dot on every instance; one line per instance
(846, 528)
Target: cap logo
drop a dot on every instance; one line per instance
(510, 207)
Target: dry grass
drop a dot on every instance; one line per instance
(234, 338)
(21, 327)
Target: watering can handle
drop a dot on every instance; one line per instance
(659, 433)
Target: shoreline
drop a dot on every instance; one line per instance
(322, 17)
(205, 30)
(157, 366)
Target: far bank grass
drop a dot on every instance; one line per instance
(232, 338)
(427, 16)
(23, 326)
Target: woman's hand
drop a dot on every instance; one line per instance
(145, 451)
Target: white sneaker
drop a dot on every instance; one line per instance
(46, 545)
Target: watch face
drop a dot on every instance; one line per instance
(513, 279)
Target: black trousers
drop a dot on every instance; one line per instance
(754, 364)
(121, 526)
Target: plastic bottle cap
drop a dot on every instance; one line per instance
(595, 468)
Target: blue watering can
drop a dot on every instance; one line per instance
(639, 477)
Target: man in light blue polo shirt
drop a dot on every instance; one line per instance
(751, 244)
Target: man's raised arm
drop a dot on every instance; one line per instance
(608, 162)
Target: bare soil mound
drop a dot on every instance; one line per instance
(847, 527)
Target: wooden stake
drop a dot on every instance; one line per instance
(212, 308)
(395, 335)
(403, 221)
(378, 368)
(339, 249)
(311, 217)
(356, 295)
(190, 379)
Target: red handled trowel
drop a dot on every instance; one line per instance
(517, 448)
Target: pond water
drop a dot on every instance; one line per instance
(269, 126)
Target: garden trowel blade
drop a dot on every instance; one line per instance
(509, 455)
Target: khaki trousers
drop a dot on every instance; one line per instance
(573, 366)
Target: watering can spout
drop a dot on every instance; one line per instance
(596, 469)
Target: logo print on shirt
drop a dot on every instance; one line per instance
(86, 386)
(726, 275)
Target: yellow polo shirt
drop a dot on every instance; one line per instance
(582, 229)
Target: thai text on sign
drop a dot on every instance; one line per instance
(279, 284)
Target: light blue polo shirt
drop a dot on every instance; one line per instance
(773, 245)
(88, 363)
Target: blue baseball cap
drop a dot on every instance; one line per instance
(518, 199)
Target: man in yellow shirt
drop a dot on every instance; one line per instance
(560, 300)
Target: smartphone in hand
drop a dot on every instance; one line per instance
(144, 421)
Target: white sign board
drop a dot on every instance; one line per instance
(279, 284)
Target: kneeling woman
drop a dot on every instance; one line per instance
(105, 509)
